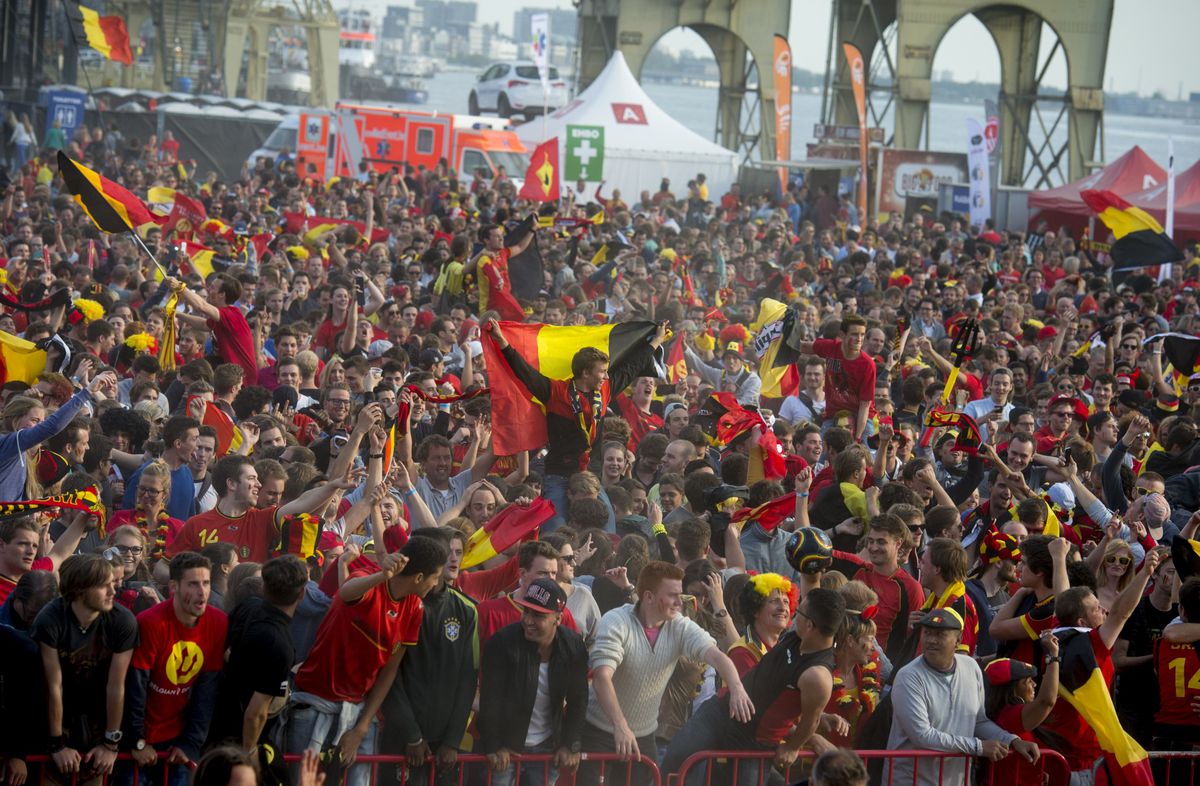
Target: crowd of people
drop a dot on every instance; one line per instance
(293, 464)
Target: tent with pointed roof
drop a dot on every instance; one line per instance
(1187, 202)
(642, 143)
(1126, 175)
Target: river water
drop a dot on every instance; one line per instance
(696, 108)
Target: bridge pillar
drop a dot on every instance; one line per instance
(733, 28)
(1018, 36)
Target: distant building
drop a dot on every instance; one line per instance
(563, 23)
(453, 16)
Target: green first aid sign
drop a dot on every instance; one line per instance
(585, 153)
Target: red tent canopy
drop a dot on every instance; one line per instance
(1187, 201)
(1130, 173)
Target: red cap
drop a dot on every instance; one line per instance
(1005, 670)
(394, 538)
(1046, 333)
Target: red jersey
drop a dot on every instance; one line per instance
(1014, 769)
(356, 640)
(175, 655)
(847, 382)
(234, 342)
(481, 585)
(7, 585)
(495, 288)
(888, 590)
(499, 613)
(640, 423)
(1178, 670)
(254, 533)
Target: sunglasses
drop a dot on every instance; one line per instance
(1115, 560)
(1129, 346)
(1141, 491)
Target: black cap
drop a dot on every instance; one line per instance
(544, 596)
(429, 358)
(942, 619)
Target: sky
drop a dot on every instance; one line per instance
(1142, 31)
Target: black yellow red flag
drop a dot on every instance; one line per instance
(108, 35)
(111, 207)
(1082, 685)
(1140, 239)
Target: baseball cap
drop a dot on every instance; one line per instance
(378, 347)
(942, 619)
(544, 596)
(1133, 398)
(1005, 670)
(429, 358)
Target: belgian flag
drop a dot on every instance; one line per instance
(779, 380)
(677, 369)
(507, 528)
(968, 439)
(1140, 240)
(518, 419)
(20, 360)
(106, 34)
(769, 515)
(112, 208)
(1082, 685)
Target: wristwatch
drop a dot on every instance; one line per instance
(114, 737)
(58, 743)
(722, 614)
(140, 745)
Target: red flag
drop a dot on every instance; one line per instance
(228, 436)
(677, 369)
(187, 215)
(771, 514)
(541, 179)
(507, 528)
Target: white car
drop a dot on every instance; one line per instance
(514, 88)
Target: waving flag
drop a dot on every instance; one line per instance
(778, 381)
(186, 215)
(166, 347)
(1140, 239)
(112, 208)
(518, 419)
(677, 369)
(769, 515)
(968, 439)
(106, 34)
(20, 360)
(541, 179)
(507, 528)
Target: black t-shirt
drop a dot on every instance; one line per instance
(1137, 687)
(85, 656)
(261, 656)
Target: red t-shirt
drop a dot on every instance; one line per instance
(7, 585)
(234, 341)
(356, 640)
(486, 584)
(175, 655)
(1045, 440)
(254, 533)
(1014, 768)
(847, 382)
(888, 591)
(499, 613)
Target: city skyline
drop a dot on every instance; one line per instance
(1135, 26)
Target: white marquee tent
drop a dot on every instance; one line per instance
(642, 143)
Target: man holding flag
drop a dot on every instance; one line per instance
(574, 406)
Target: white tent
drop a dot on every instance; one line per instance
(642, 143)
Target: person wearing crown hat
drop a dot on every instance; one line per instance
(937, 704)
(1017, 704)
(996, 571)
(533, 689)
(734, 376)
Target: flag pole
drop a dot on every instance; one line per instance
(138, 240)
(1164, 272)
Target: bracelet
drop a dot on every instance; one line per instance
(801, 495)
(375, 455)
(1055, 659)
(409, 493)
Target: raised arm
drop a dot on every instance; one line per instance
(1128, 600)
(531, 378)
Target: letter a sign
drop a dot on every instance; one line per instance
(585, 153)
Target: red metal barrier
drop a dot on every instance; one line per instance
(1175, 768)
(613, 771)
(728, 765)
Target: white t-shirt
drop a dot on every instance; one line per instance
(539, 722)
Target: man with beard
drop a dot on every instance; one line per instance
(173, 678)
(999, 554)
(426, 711)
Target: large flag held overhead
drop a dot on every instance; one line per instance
(507, 528)
(518, 419)
(112, 208)
(1182, 351)
(541, 179)
(1140, 239)
(1083, 685)
(106, 34)
(20, 360)
(778, 381)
